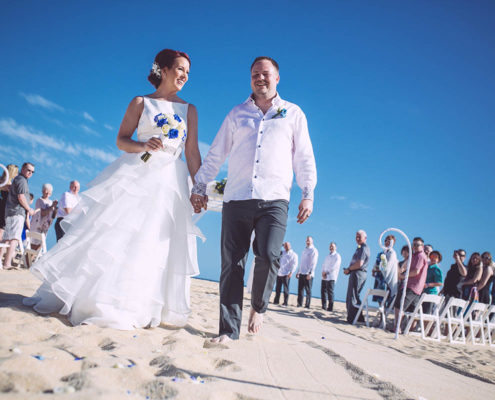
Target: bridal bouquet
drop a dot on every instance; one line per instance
(172, 127)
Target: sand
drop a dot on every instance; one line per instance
(299, 354)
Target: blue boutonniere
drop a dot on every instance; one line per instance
(281, 112)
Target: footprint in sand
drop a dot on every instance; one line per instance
(157, 390)
(166, 368)
(77, 380)
(107, 344)
(221, 364)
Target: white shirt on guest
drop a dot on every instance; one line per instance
(309, 259)
(288, 262)
(68, 200)
(264, 151)
(331, 265)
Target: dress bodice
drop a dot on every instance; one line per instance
(148, 127)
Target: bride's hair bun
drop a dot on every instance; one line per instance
(165, 58)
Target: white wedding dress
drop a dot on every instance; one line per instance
(129, 248)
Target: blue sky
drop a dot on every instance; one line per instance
(399, 98)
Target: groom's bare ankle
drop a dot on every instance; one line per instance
(255, 321)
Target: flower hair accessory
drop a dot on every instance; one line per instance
(156, 70)
(281, 112)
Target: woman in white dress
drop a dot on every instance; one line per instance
(129, 248)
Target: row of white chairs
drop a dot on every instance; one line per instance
(25, 252)
(461, 319)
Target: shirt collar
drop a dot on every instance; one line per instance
(277, 100)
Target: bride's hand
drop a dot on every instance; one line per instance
(198, 202)
(154, 144)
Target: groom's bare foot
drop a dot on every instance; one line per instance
(221, 339)
(255, 322)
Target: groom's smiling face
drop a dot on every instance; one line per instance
(264, 79)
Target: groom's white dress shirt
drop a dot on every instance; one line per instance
(309, 259)
(288, 262)
(331, 266)
(264, 151)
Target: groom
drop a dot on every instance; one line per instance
(267, 140)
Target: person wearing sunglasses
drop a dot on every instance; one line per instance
(456, 272)
(16, 208)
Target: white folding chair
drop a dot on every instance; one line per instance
(490, 324)
(432, 319)
(452, 315)
(367, 308)
(473, 322)
(31, 255)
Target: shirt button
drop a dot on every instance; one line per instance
(259, 145)
(257, 161)
(261, 132)
(255, 176)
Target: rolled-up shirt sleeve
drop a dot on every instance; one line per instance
(303, 159)
(217, 154)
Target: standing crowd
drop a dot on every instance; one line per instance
(471, 281)
(17, 217)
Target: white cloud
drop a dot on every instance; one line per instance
(337, 197)
(11, 128)
(37, 100)
(89, 130)
(88, 116)
(355, 205)
(109, 127)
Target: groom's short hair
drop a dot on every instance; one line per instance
(275, 64)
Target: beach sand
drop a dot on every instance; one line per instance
(299, 354)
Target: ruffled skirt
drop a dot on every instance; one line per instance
(129, 249)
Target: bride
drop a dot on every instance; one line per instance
(129, 248)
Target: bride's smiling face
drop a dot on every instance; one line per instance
(177, 76)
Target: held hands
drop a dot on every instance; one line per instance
(31, 212)
(305, 210)
(324, 275)
(347, 271)
(198, 202)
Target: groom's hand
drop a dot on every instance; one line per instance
(198, 202)
(305, 210)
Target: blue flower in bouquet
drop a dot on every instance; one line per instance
(173, 133)
(160, 120)
(177, 118)
(184, 137)
(281, 112)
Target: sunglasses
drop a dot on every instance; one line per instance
(30, 170)
(417, 244)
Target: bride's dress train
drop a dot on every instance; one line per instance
(130, 245)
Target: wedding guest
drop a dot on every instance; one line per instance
(329, 274)
(42, 220)
(67, 202)
(13, 171)
(357, 270)
(288, 264)
(486, 278)
(266, 140)
(428, 249)
(27, 221)
(433, 279)
(416, 280)
(15, 212)
(385, 270)
(306, 273)
(403, 263)
(473, 276)
(456, 272)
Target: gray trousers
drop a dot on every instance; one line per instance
(356, 283)
(268, 219)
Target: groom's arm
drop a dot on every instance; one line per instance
(217, 154)
(303, 161)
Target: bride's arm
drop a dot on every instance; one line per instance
(129, 125)
(193, 156)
